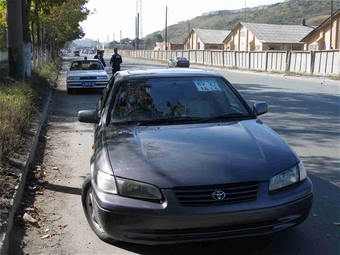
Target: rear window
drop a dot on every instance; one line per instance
(86, 65)
(148, 99)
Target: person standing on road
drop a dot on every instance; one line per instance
(97, 55)
(115, 61)
(101, 57)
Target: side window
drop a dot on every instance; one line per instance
(102, 102)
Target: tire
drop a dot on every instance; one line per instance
(87, 201)
(69, 91)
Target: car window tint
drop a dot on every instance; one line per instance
(184, 97)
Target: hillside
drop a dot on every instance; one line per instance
(290, 12)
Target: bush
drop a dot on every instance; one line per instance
(19, 101)
(16, 110)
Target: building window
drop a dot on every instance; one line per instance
(257, 47)
(313, 47)
(213, 47)
(296, 47)
(274, 47)
(243, 33)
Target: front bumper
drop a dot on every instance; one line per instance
(143, 222)
(79, 84)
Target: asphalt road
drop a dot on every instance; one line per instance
(304, 112)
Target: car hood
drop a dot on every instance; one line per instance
(197, 154)
(87, 73)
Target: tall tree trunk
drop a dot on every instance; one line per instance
(39, 49)
(43, 45)
(15, 39)
(26, 7)
(33, 44)
(53, 52)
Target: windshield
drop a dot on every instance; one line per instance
(182, 98)
(86, 65)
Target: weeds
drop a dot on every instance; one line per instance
(19, 101)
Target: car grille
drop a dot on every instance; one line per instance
(203, 195)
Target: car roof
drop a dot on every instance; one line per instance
(165, 72)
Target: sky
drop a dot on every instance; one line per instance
(115, 20)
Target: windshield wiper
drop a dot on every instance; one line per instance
(226, 117)
(169, 120)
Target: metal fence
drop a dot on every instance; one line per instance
(304, 62)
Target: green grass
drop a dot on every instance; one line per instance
(19, 101)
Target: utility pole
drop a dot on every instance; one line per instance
(15, 39)
(137, 32)
(120, 39)
(190, 47)
(166, 28)
(331, 29)
(245, 10)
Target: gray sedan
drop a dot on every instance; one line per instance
(179, 156)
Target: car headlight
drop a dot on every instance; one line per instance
(73, 78)
(288, 177)
(106, 182)
(139, 190)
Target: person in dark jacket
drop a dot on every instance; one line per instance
(101, 57)
(115, 61)
(97, 55)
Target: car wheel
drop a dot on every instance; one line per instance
(87, 198)
(69, 91)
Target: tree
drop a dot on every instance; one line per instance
(15, 39)
(56, 22)
(3, 24)
(125, 40)
(150, 42)
(113, 44)
(27, 44)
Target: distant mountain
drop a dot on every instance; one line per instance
(290, 12)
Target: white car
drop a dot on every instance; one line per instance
(86, 74)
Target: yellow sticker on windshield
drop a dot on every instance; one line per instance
(206, 85)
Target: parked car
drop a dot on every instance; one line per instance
(87, 73)
(179, 62)
(76, 53)
(179, 156)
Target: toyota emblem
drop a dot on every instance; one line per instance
(218, 195)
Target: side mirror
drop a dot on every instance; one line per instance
(260, 108)
(88, 116)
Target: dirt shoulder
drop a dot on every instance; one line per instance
(61, 164)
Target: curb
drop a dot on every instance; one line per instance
(17, 197)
